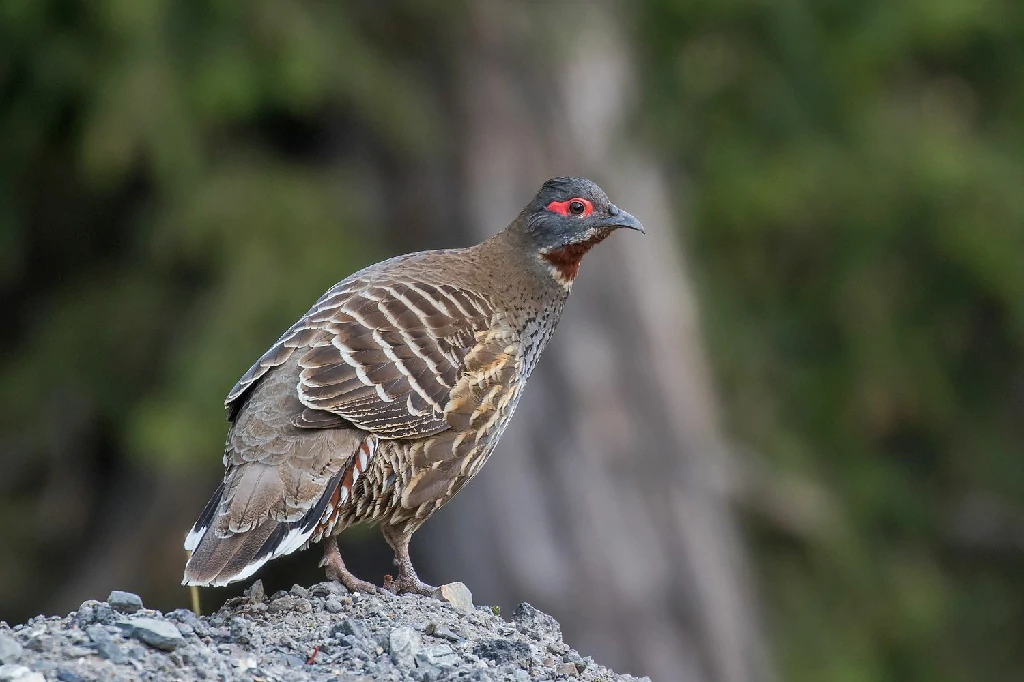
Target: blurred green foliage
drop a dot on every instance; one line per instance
(152, 210)
(855, 177)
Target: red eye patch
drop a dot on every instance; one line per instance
(562, 207)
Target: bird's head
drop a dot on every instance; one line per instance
(567, 218)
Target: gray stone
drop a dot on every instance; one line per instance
(290, 603)
(124, 602)
(40, 643)
(19, 673)
(333, 605)
(327, 589)
(184, 616)
(440, 655)
(458, 595)
(293, 661)
(442, 631)
(98, 633)
(300, 591)
(86, 614)
(158, 634)
(112, 651)
(65, 675)
(567, 670)
(503, 650)
(353, 628)
(403, 645)
(243, 662)
(536, 622)
(136, 651)
(10, 649)
(103, 613)
(424, 672)
(255, 592)
(240, 630)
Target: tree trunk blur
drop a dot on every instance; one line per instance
(606, 502)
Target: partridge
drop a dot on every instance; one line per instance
(389, 395)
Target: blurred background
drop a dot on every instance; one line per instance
(780, 437)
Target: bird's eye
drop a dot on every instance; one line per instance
(576, 206)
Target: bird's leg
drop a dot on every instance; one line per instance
(407, 580)
(336, 569)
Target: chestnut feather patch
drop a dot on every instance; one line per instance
(566, 259)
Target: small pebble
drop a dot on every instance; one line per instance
(567, 669)
(158, 634)
(404, 644)
(438, 654)
(69, 676)
(86, 614)
(10, 649)
(111, 651)
(184, 616)
(102, 613)
(124, 602)
(458, 595)
(290, 603)
(240, 630)
(535, 622)
(255, 592)
(19, 673)
(355, 628)
(442, 631)
(328, 588)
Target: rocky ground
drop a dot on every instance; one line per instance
(320, 633)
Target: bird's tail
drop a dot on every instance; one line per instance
(219, 558)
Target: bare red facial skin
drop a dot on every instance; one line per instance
(562, 207)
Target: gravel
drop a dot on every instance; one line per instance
(317, 633)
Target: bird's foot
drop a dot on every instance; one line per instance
(407, 581)
(409, 584)
(336, 570)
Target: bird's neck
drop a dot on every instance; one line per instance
(564, 262)
(518, 273)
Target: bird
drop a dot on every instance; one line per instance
(388, 396)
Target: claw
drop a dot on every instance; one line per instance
(337, 571)
(407, 581)
(409, 585)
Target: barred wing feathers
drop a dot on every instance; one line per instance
(384, 355)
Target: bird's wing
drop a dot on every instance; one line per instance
(384, 354)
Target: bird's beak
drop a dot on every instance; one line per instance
(619, 218)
